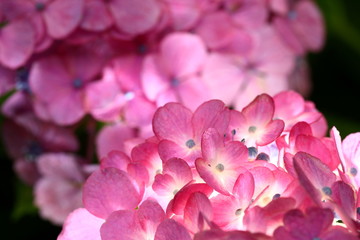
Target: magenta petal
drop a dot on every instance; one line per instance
(197, 211)
(183, 195)
(63, 16)
(135, 17)
(171, 230)
(108, 190)
(81, 225)
(17, 41)
(173, 122)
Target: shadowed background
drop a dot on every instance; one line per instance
(335, 73)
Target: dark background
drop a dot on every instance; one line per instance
(336, 86)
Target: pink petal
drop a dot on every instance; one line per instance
(182, 54)
(222, 77)
(309, 25)
(260, 111)
(313, 175)
(108, 190)
(121, 225)
(136, 118)
(288, 104)
(171, 230)
(68, 109)
(135, 17)
(211, 114)
(344, 196)
(81, 225)
(184, 14)
(154, 79)
(216, 35)
(271, 132)
(60, 165)
(49, 68)
(283, 27)
(96, 16)
(244, 187)
(115, 159)
(62, 17)
(178, 169)
(17, 41)
(183, 195)
(112, 137)
(56, 197)
(316, 148)
(173, 122)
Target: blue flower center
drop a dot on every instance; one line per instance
(190, 143)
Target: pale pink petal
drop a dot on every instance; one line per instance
(62, 17)
(108, 190)
(81, 225)
(222, 77)
(121, 225)
(136, 118)
(153, 79)
(115, 159)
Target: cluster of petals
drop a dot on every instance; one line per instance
(207, 175)
(70, 63)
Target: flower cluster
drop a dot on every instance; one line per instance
(73, 64)
(267, 172)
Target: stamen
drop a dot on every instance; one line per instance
(238, 212)
(276, 196)
(174, 82)
(353, 171)
(220, 167)
(327, 191)
(77, 83)
(263, 156)
(190, 143)
(252, 129)
(252, 152)
(39, 6)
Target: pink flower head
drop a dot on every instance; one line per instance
(221, 162)
(315, 223)
(184, 140)
(255, 122)
(164, 80)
